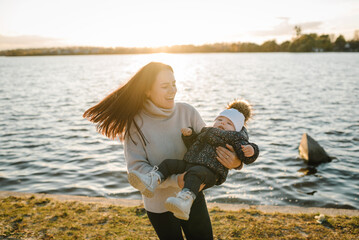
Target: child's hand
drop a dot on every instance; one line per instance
(186, 131)
(248, 150)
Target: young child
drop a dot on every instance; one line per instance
(200, 163)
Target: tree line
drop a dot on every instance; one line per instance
(300, 43)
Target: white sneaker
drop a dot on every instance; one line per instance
(145, 183)
(181, 204)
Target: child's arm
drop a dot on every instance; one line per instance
(251, 159)
(248, 150)
(244, 146)
(188, 136)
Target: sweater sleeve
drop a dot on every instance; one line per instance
(136, 159)
(238, 149)
(135, 154)
(197, 122)
(189, 140)
(247, 160)
(255, 155)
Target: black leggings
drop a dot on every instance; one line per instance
(198, 225)
(194, 177)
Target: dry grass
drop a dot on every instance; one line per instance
(38, 218)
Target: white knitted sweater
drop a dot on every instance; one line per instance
(162, 129)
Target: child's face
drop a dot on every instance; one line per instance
(224, 124)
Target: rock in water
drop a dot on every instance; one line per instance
(311, 151)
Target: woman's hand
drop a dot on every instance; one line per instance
(228, 157)
(180, 179)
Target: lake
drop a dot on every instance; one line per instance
(47, 147)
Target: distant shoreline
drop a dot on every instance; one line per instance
(95, 51)
(109, 54)
(302, 43)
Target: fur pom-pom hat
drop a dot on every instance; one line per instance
(244, 107)
(239, 111)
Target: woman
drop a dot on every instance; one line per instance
(143, 114)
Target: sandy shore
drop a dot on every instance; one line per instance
(223, 206)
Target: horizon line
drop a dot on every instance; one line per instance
(164, 46)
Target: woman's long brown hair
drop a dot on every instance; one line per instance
(115, 114)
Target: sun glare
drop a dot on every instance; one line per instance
(156, 23)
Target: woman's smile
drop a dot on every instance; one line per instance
(164, 90)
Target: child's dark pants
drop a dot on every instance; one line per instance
(195, 174)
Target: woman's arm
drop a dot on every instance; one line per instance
(135, 155)
(136, 159)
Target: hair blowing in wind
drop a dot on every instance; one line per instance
(114, 114)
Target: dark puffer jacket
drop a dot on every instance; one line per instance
(202, 148)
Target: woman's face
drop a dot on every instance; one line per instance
(164, 90)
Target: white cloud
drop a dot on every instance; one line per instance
(285, 28)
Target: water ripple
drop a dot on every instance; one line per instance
(46, 145)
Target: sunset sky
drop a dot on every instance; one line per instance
(138, 23)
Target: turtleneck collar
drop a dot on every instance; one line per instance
(152, 110)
